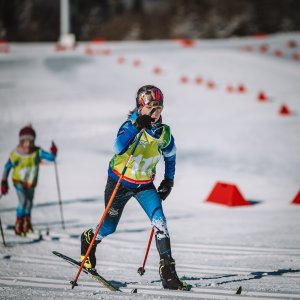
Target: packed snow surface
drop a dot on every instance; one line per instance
(80, 98)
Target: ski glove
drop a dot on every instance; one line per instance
(53, 149)
(4, 187)
(165, 188)
(143, 121)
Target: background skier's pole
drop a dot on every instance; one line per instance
(141, 270)
(59, 196)
(111, 199)
(2, 229)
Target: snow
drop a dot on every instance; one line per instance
(80, 101)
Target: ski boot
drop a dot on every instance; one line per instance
(19, 227)
(169, 276)
(86, 238)
(27, 224)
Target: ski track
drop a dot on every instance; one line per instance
(39, 80)
(199, 293)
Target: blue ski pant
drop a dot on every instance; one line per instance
(25, 197)
(149, 200)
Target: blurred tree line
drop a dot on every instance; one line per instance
(38, 20)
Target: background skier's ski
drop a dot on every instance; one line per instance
(94, 274)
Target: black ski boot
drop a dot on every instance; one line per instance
(169, 276)
(86, 238)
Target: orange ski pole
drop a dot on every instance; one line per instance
(111, 199)
(141, 270)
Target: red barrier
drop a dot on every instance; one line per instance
(186, 43)
(248, 48)
(226, 194)
(297, 199)
(4, 47)
(89, 51)
(121, 60)
(263, 48)
(157, 70)
(278, 53)
(98, 40)
(210, 84)
(291, 44)
(136, 63)
(103, 51)
(260, 35)
(229, 88)
(198, 80)
(296, 56)
(241, 88)
(184, 79)
(262, 96)
(284, 110)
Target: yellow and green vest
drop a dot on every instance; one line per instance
(26, 167)
(142, 167)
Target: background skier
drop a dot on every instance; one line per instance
(25, 160)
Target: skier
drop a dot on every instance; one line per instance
(25, 160)
(156, 140)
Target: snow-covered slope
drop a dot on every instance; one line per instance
(80, 100)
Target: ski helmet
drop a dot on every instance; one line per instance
(147, 94)
(27, 132)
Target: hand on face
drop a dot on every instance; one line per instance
(145, 110)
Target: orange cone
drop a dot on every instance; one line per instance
(226, 194)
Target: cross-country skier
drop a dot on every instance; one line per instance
(156, 141)
(25, 160)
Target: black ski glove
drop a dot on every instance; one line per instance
(143, 121)
(4, 187)
(165, 188)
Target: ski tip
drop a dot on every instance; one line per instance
(134, 291)
(239, 290)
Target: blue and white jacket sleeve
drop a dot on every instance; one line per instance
(46, 155)
(125, 137)
(169, 154)
(7, 167)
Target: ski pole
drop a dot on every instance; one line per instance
(59, 195)
(141, 270)
(3, 239)
(111, 199)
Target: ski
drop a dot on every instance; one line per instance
(93, 273)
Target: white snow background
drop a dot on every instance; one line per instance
(80, 100)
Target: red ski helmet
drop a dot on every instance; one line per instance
(27, 132)
(147, 94)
